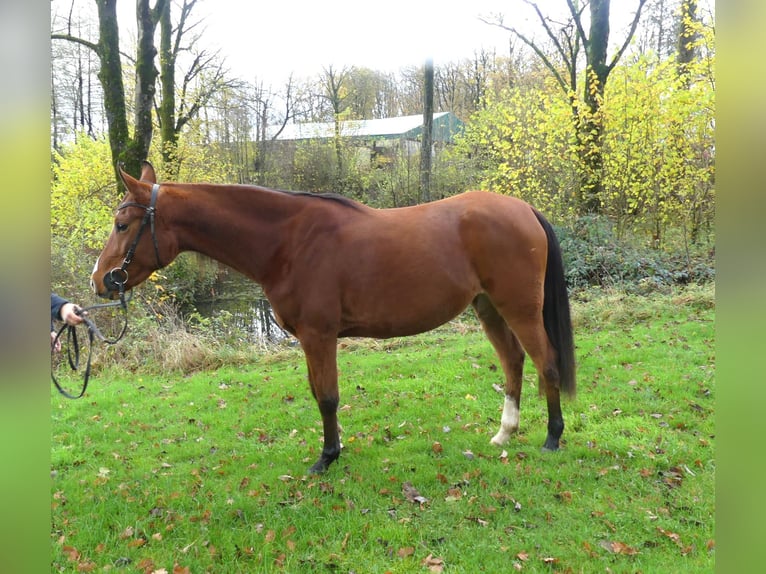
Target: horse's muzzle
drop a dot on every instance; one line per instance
(114, 283)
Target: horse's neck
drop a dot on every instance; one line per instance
(239, 226)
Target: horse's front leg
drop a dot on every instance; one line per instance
(320, 351)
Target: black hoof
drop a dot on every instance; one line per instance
(324, 462)
(551, 445)
(318, 468)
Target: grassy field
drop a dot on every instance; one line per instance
(206, 472)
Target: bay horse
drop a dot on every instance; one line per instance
(332, 267)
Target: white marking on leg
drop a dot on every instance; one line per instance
(509, 423)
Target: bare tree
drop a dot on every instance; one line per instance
(130, 150)
(204, 76)
(334, 91)
(426, 137)
(76, 96)
(570, 40)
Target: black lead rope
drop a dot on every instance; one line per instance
(118, 276)
(73, 342)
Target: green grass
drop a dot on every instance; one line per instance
(206, 472)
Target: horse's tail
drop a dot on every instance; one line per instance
(556, 316)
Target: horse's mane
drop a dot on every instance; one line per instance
(343, 200)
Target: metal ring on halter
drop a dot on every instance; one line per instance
(119, 270)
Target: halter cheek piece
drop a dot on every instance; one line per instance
(119, 275)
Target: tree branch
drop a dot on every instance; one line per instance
(551, 34)
(577, 18)
(629, 37)
(76, 40)
(182, 29)
(540, 54)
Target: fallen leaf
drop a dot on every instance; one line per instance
(406, 551)
(618, 548)
(565, 496)
(127, 533)
(437, 447)
(433, 564)
(71, 553)
(412, 494)
(137, 543)
(673, 477)
(675, 537)
(454, 494)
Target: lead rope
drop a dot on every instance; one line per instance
(73, 343)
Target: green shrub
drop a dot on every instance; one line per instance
(594, 255)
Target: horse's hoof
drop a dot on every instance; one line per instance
(550, 446)
(499, 439)
(317, 469)
(324, 462)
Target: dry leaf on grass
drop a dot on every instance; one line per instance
(411, 493)
(433, 564)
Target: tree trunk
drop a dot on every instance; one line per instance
(167, 108)
(597, 71)
(146, 83)
(687, 36)
(588, 123)
(427, 136)
(110, 76)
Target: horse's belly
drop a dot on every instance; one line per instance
(407, 315)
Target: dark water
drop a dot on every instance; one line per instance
(248, 309)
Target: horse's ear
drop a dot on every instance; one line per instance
(131, 184)
(147, 172)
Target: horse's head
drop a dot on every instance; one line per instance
(133, 250)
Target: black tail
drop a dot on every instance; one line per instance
(556, 316)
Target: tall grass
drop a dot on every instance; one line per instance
(197, 469)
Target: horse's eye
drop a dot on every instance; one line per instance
(120, 227)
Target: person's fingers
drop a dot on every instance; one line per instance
(55, 343)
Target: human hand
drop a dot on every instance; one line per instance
(55, 343)
(69, 314)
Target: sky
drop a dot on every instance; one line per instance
(270, 40)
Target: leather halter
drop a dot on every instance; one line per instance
(119, 275)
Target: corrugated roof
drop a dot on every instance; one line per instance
(385, 127)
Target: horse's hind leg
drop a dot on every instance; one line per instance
(533, 337)
(511, 357)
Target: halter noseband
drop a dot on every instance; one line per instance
(119, 275)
